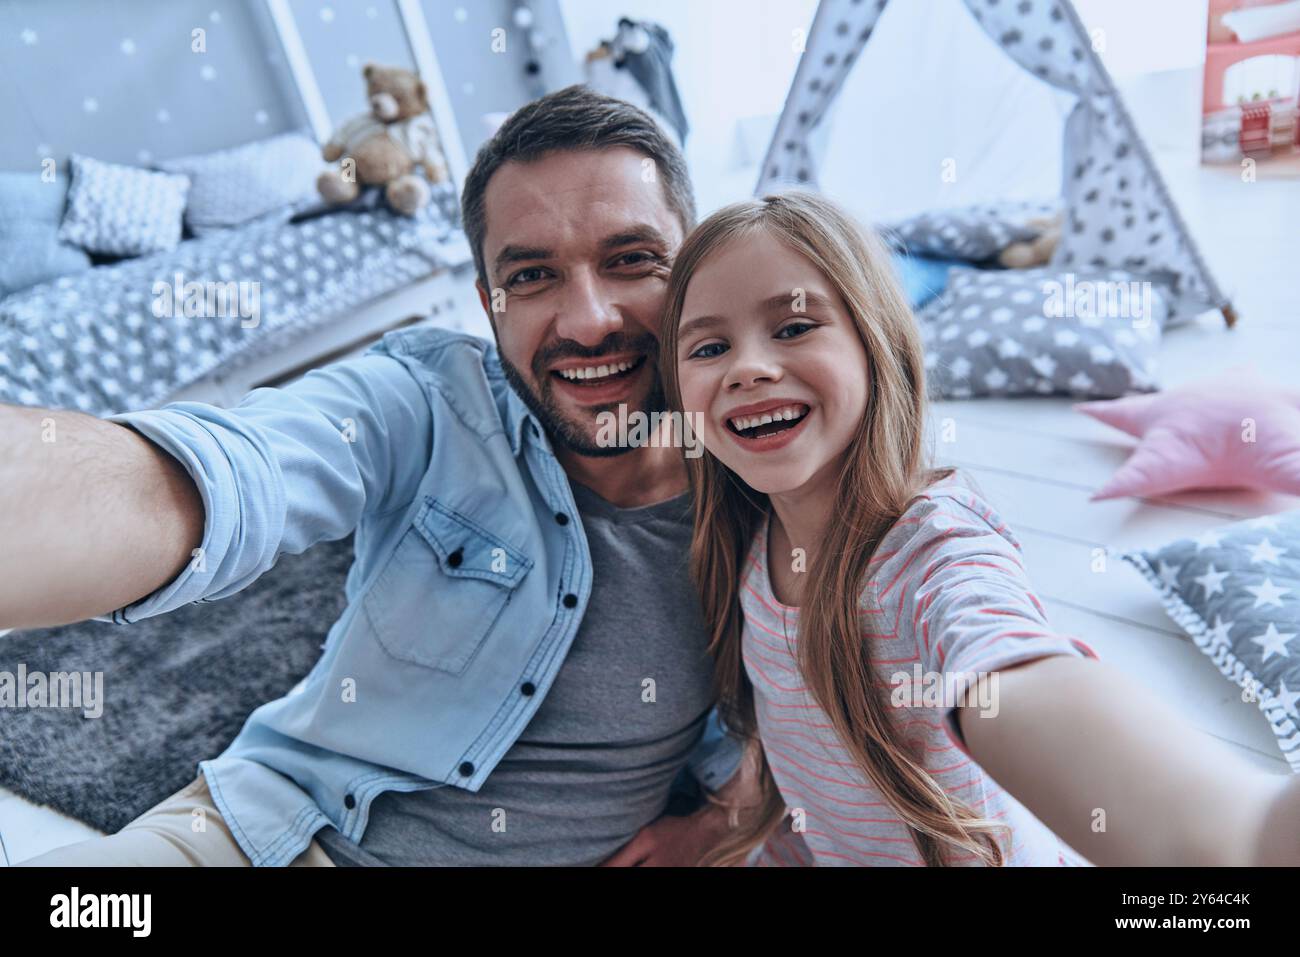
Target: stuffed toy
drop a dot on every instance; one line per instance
(384, 147)
(1037, 251)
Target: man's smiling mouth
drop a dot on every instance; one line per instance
(596, 372)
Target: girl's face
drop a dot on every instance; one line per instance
(770, 359)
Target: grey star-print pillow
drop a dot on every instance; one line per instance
(1236, 591)
(972, 233)
(1042, 332)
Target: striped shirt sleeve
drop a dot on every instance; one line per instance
(954, 578)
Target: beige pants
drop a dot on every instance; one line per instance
(164, 836)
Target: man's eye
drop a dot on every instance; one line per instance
(637, 258)
(706, 351)
(799, 328)
(523, 274)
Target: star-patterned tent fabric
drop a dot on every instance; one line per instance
(1236, 591)
(1118, 212)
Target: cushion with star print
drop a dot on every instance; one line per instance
(1232, 431)
(1236, 591)
(1042, 332)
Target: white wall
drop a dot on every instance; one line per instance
(734, 60)
(1155, 50)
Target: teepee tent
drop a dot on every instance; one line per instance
(898, 106)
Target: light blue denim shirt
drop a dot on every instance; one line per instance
(471, 576)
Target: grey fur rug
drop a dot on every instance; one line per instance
(176, 689)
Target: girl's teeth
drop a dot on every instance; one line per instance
(785, 414)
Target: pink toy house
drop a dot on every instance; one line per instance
(1252, 80)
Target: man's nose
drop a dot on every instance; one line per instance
(587, 314)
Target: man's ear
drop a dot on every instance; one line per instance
(423, 92)
(485, 299)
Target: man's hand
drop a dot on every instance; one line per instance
(673, 841)
(683, 841)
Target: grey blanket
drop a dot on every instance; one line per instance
(118, 337)
(177, 689)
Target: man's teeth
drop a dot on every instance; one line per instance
(596, 372)
(785, 413)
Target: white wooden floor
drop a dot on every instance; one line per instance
(1038, 461)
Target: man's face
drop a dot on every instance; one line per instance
(578, 248)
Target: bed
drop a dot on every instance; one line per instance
(117, 337)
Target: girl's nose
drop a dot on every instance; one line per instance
(751, 367)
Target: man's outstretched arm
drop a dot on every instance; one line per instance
(103, 526)
(92, 516)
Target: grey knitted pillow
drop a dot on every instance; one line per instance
(121, 210)
(259, 179)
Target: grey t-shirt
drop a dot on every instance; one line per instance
(598, 759)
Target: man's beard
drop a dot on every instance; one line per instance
(573, 435)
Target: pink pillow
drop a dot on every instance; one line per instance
(1200, 436)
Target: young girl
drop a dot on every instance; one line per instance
(857, 597)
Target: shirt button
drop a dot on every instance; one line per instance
(570, 600)
(349, 801)
(466, 769)
(527, 689)
(561, 518)
(456, 557)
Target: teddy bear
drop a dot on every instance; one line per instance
(1036, 251)
(385, 146)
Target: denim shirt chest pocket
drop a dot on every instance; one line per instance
(443, 589)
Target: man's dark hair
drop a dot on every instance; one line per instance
(574, 118)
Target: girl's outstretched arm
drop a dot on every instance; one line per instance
(1122, 778)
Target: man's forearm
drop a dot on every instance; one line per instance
(93, 516)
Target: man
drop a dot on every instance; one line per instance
(521, 670)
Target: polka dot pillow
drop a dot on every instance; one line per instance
(972, 233)
(1042, 332)
(121, 210)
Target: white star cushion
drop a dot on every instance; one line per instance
(1039, 331)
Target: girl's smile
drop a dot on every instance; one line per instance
(769, 354)
(766, 426)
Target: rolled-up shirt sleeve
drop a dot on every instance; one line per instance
(972, 602)
(286, 468)
(716, 757)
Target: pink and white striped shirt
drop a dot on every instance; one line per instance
(947, 590)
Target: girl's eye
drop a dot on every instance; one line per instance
(519, 277)
(703, 352)
(799, 329)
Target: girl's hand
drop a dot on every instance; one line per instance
(1279, 835)
(1122, 778)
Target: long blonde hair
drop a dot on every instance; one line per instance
(884, 468)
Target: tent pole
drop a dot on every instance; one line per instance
(789, 96)
(1218, 298)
